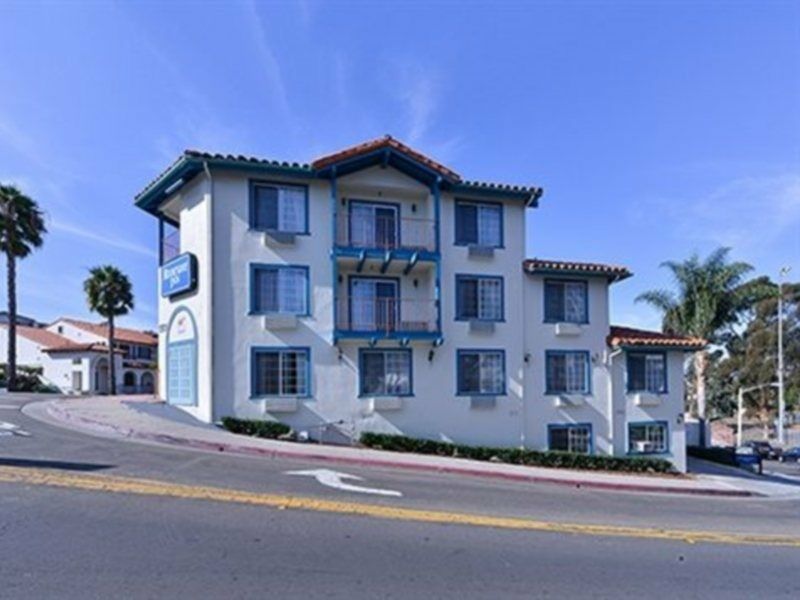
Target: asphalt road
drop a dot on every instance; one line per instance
(68, 542)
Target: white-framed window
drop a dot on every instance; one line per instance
(280, 372)
(570, 438)
(385, 372)
(565, 301)
(481, 372)
(648, 438)
(479, 223)
(479, 297)
(647, 372)
(567, 372)
(279, 289)
(279, 207)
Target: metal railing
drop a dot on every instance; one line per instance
(386, 233)
(370, 314)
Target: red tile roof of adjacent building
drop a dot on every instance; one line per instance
(76, 347)
(121, 334)
(541, 265)
(39, 336)
(627, 336)
(386, 141)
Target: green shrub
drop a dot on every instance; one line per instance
(725, 456)
(517, 456)
(255, 428)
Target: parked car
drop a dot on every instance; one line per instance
(791, 455)
(764, 450)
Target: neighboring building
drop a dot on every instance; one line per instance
(21, 320)
(73, 356)
(376, 290)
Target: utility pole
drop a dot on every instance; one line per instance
(781, 400)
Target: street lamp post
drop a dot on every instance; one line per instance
(781, 400)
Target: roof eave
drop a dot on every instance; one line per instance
(611, 277)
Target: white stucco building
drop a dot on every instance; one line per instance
(73, 356)
(375, 289)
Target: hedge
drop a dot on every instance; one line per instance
(255, 428)
(517, 456)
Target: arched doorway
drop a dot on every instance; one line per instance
(147, 383)
(101, 377)
(129, 382)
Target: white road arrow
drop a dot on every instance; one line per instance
(11, 429)
(334, 479)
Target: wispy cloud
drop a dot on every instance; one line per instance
(744, 213)
(102, 239)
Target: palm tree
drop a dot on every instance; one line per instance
(109, 294)
(21, 231)
(711, 296)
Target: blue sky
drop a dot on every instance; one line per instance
(656, 128)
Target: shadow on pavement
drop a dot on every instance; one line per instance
(52, 464)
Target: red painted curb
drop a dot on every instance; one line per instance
(196, 444)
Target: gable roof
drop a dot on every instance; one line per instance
(121, 334)
(385, 150)
(640, 338)
(40, 336)
(541, 266)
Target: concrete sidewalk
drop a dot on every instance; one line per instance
(148, 420)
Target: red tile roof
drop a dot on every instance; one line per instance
(39, 336)
(386, 141)
(541, 265)
(75, 347)
(121, 334)
(627, 336)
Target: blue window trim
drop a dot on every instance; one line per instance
(463, 201)
(667, 438)
(357, 201)
(552, 426)
(628, 354)
(363, 351)
(468, 276)
(547, 280)
(254, 183)
(461, 351)
(254, 350)
(549, 391)
(254, 267)
(195, 353)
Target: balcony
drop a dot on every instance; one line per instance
(373, 317)
(385, 232)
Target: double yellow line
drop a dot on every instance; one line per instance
(149, 487)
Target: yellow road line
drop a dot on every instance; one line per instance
(150, 487)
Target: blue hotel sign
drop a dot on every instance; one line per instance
(179, 275)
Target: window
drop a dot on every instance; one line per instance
(565, 302)
(278, 207)
(570, 438)
(280, 372)
(374, 225)
(481, 372)
(567, 372)
(279, 289)
(479, 223)
(385, 372)
(647, 372)
(648, 438)
(479, 298)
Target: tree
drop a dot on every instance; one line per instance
(710, 298)
(751, 358)
(109, 294)
(21, 231)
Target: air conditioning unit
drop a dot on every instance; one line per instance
(644, 447)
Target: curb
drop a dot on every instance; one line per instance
(66, 417)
